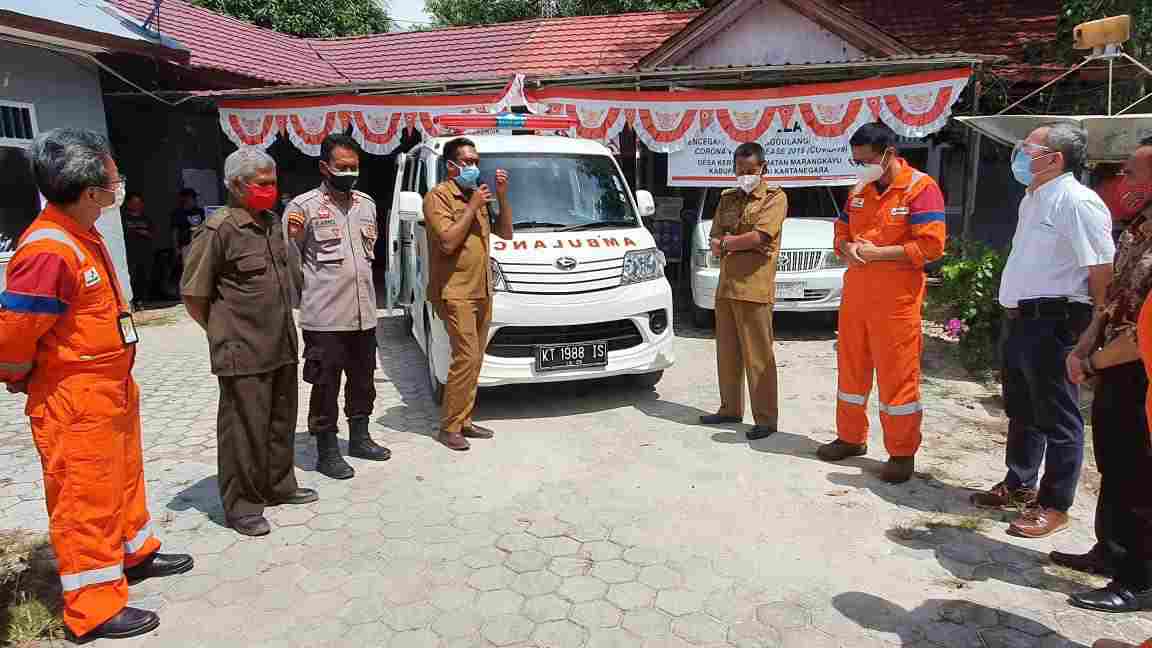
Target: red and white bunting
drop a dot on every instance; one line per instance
(378, 123)
(914, 105)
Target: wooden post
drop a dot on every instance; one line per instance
(970, 185)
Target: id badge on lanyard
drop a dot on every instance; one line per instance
(127, 327)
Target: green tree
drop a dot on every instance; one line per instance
(316, 18)
(483, 12)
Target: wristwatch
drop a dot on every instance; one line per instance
(723, 246)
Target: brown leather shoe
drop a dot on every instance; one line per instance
(477, 432)
(1038, 522)
(453, 440)
(898, 469)
(839, 450)
(999, 496)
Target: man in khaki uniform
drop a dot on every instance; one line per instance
(746, 236)
(459, 280)
(334, 229)
(236, 286)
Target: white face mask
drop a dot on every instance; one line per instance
(748, 183)
(870, 173)
(120, 192)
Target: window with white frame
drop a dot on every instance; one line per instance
(19, 199)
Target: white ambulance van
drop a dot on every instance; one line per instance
(580, 291)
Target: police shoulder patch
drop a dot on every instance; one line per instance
(217, 218)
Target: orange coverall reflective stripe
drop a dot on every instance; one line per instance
(59, 331)
(880, 311)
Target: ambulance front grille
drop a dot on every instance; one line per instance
(810, 295)
(521, 341)
(799, 260)
(547, 279)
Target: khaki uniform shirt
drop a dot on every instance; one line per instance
(338, 293)
(241, 265)
(750, 275)
(466, 274)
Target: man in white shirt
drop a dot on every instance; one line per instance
(1060, 265)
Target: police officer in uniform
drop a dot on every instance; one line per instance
(334, 229)
(237, 286)
(459, 281)
(746, 236)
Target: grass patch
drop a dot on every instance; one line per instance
(30, 600)
(953, 583)
(961, 522)
(1089, 581)
(159, 319)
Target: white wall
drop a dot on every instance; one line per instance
(66, 92)
(771, 34)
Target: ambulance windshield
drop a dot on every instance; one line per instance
(561, 191)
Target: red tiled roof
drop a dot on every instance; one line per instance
(592, 43)
(220, 42)
(996, 27)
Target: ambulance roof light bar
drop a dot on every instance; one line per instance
(458, 123)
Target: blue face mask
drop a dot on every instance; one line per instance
(468, 176)
(1022, 168)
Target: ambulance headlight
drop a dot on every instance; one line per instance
(497, 277)
(642, 265)
(832, 261)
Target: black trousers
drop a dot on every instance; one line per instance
(327, 355)
(1045, 425)
(140, 263)
(1120, 437)
(255, 439)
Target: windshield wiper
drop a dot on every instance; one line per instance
(595, 224)
(522, 224)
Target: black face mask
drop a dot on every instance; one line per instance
(343, 183)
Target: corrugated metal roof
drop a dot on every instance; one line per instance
(765, 75)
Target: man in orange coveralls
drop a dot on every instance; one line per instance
(894, 224)
(67, 340)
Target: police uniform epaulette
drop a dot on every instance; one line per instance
(729, 190)
(361, 194)
(217, 218)
(305, 197)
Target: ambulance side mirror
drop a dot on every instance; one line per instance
(646, 203)
(411, 207)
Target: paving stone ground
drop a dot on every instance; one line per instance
(601, 515)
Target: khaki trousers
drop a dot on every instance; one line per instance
(744, 348)
(466, 321)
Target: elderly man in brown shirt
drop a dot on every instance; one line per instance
(236, 286)
(746, 236)
(459, 280)
(1108, 353)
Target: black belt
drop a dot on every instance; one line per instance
(1048, 309)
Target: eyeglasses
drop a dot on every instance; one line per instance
(1033, 151)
